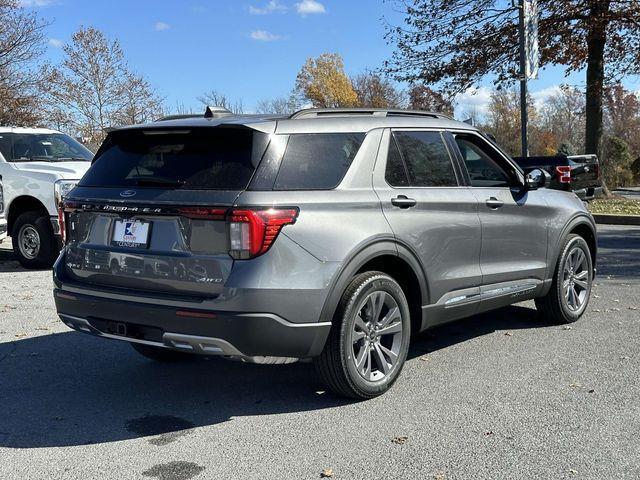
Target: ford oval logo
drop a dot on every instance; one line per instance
(128, 193)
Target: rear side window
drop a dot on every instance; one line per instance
(317, 161)
(425, 159)
(201, 158)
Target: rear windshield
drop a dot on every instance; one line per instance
(199, 158)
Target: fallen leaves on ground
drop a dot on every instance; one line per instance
(400, 440)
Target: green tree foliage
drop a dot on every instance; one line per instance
(616, 167)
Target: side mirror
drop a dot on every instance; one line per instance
(537, 178)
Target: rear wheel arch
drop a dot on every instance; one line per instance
(388, 257)
(20, 205)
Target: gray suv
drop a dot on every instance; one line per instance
(330, 234)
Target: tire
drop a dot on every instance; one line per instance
(33, 241)
(354, 339)
(160, 354)
(560, 305)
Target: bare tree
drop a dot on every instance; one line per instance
(279, 106)
(374, 90)
(21, 42)
(216, 99)
(563, 114)
(140, 102)
(93, 88)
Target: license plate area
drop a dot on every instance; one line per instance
(131, 233)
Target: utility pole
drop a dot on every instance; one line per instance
(524, 116)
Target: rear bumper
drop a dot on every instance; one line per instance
(219, 333)
(589, 193)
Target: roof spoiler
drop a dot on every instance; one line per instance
(211, 111)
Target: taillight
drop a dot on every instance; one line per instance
(596, 169)
(564, 174)
(203, 213)
(61, 223)
(252, 232)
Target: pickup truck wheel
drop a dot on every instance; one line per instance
(569, 295)
(160, 354)
(369, 338)
(33, 241)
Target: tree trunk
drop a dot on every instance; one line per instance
(596, 42)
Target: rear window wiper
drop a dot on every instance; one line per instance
(152, 181)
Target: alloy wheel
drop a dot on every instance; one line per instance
(576, 279)
(377, 336)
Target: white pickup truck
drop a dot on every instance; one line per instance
(37, 167)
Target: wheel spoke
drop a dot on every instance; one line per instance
(389, 353)
(581, 283)
(582, 275)
(576, 297)
(375, 302)
(381, 360)
(362, 355)
(392, 314)
(393, 328)
(360, 323)
(357, 336)
(579, 259)
(367, 368)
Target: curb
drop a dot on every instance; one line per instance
(617, 219)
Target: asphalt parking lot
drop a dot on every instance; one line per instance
(497, 396)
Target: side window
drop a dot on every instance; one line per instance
(395, 174)
(484, 169)
(5, 146)
(425, 157)
(317, 161)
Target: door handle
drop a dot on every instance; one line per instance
(494, 203)
(403, 201)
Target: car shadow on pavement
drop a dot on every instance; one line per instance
(70, 389)
(8, 260)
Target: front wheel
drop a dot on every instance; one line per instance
(570, 291)
(369, 338)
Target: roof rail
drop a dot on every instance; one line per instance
(210, 112)
(375, 112)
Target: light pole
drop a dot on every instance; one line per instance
(524, 116)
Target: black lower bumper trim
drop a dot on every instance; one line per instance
(251, 334)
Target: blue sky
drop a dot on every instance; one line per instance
(248, 49)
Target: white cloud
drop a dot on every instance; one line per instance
(271, 7)
(160, 26)
(54, 42)
(541, 96)
(310, 7)
(36, 3)
(474, 100)
(264, 36)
